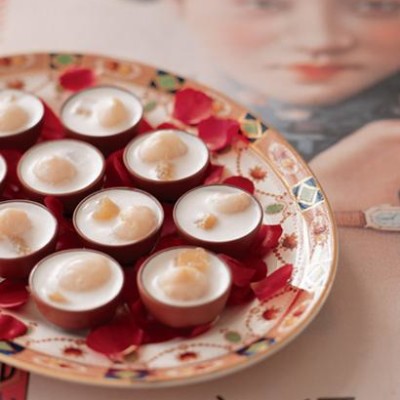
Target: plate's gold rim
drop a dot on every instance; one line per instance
(66, 375)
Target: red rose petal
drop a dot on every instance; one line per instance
(192, 106)
(12, 189)
(268, 239)
(214, 174)
(116, 172)
(167, 125)
(258, 265)
(241, 275)
(67, 236)
(241, 182)
(272, 283)
(115, 337)
(52, 128)
(218, 133)
(169, 241)
(13, 294)
(11, 328)
(240, 295)
(77, 78)
(144, 127)
(169, 227)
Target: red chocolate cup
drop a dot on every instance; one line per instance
(182, 315)
(168, 190)
(236, 247)
(70, 199)
(124, 253)
(74, 319)
(25, 137)
(20, 267)
(106, 143)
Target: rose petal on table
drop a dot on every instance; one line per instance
(115, 337)
(77, 78)
(274, 282)
(240, 182)
(192, 106)
(218, 133)
(11, 328)
(214, 174)
(13, 294)
(52, 128)
(241, 275)
(116, 172)
(144, 126)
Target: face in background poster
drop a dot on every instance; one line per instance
(325, 73)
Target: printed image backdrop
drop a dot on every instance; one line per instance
(325, 73)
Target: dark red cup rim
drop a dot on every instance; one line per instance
(142, 285)
(49, 241)
(155, 181)
(86, 135)
(37, 266)
(66, 194)
(110, 245)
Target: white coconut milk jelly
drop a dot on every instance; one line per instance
(184, 286)
(123, 222)
(106, 116)
(167, 163)
(223, 218)
(27, 233)
(68, 169)
(21, 115)
(78, 288)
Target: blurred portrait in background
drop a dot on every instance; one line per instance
(325, 73)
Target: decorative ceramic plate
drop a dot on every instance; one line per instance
(289, 194)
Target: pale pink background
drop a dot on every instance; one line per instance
(352, 348)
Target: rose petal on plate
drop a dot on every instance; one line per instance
(52, 127)
(116, 172)
(241, 275)
(274, 282)
(241, 182)
(240, 295)
(11, 328)
(166, 125)
(13, 294)
(144, 127)
(267, 239)
(218, 133)
(214, 174)
(192, 106)
(168, 227)
(77, 78)
(115, 337)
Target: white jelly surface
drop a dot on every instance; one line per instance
(81, 113)
(188, 164)
(43, 227)
(197, 203)
(46, 281)
(3, 168)
(217, 274)
(103, 231)
(86, 160)
(29, 104)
